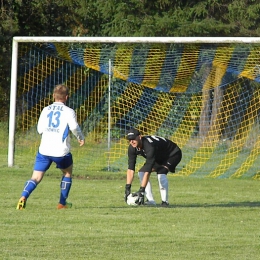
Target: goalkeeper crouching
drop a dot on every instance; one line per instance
(162, 156)
(54, 125)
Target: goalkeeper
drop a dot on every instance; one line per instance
(55, 122)
(162, 156)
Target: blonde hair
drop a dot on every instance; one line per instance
(60, 92)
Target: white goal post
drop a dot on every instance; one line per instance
(20, 39)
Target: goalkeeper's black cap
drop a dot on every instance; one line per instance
(132, 134)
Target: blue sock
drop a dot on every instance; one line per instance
(29, 186)
(65, 189)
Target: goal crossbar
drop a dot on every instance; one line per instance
(138, 39)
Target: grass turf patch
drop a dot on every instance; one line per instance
(208, 219)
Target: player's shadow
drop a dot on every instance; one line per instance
(242, 204)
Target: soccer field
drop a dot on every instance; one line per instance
(208, 219)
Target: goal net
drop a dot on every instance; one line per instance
(202, 93)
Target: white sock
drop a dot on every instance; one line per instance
(163, 186)
(148, 188)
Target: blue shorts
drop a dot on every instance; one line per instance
(43, 162)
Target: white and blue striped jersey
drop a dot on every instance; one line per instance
(54, 124)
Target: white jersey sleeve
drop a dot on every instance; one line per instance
(54, 125)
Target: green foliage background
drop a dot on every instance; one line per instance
(119, 18)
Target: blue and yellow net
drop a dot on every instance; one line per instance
(204, 97)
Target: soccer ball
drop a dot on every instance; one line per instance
(131, 200)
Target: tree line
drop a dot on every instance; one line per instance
(160, 18)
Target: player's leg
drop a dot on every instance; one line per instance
(42, 163)
(65, 185)
(66, 165)
(29, 187)
(31, 184)
(169, 165)
(163, 185)
(148, 190)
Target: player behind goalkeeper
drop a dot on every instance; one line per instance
(55, 122)
(162, 156)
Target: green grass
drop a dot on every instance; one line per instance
(208, 219)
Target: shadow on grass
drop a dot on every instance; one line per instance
(242, 204)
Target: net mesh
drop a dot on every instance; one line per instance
(204, 97)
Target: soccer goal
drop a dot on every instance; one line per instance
(202, 93)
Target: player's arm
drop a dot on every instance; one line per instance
(79, 135)
(129, 176)
(131, 165)
(129, 180)
(75, 129)
(41, 122)
(130, 171)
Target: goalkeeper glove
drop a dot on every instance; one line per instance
(140, 196)
(127, 191)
